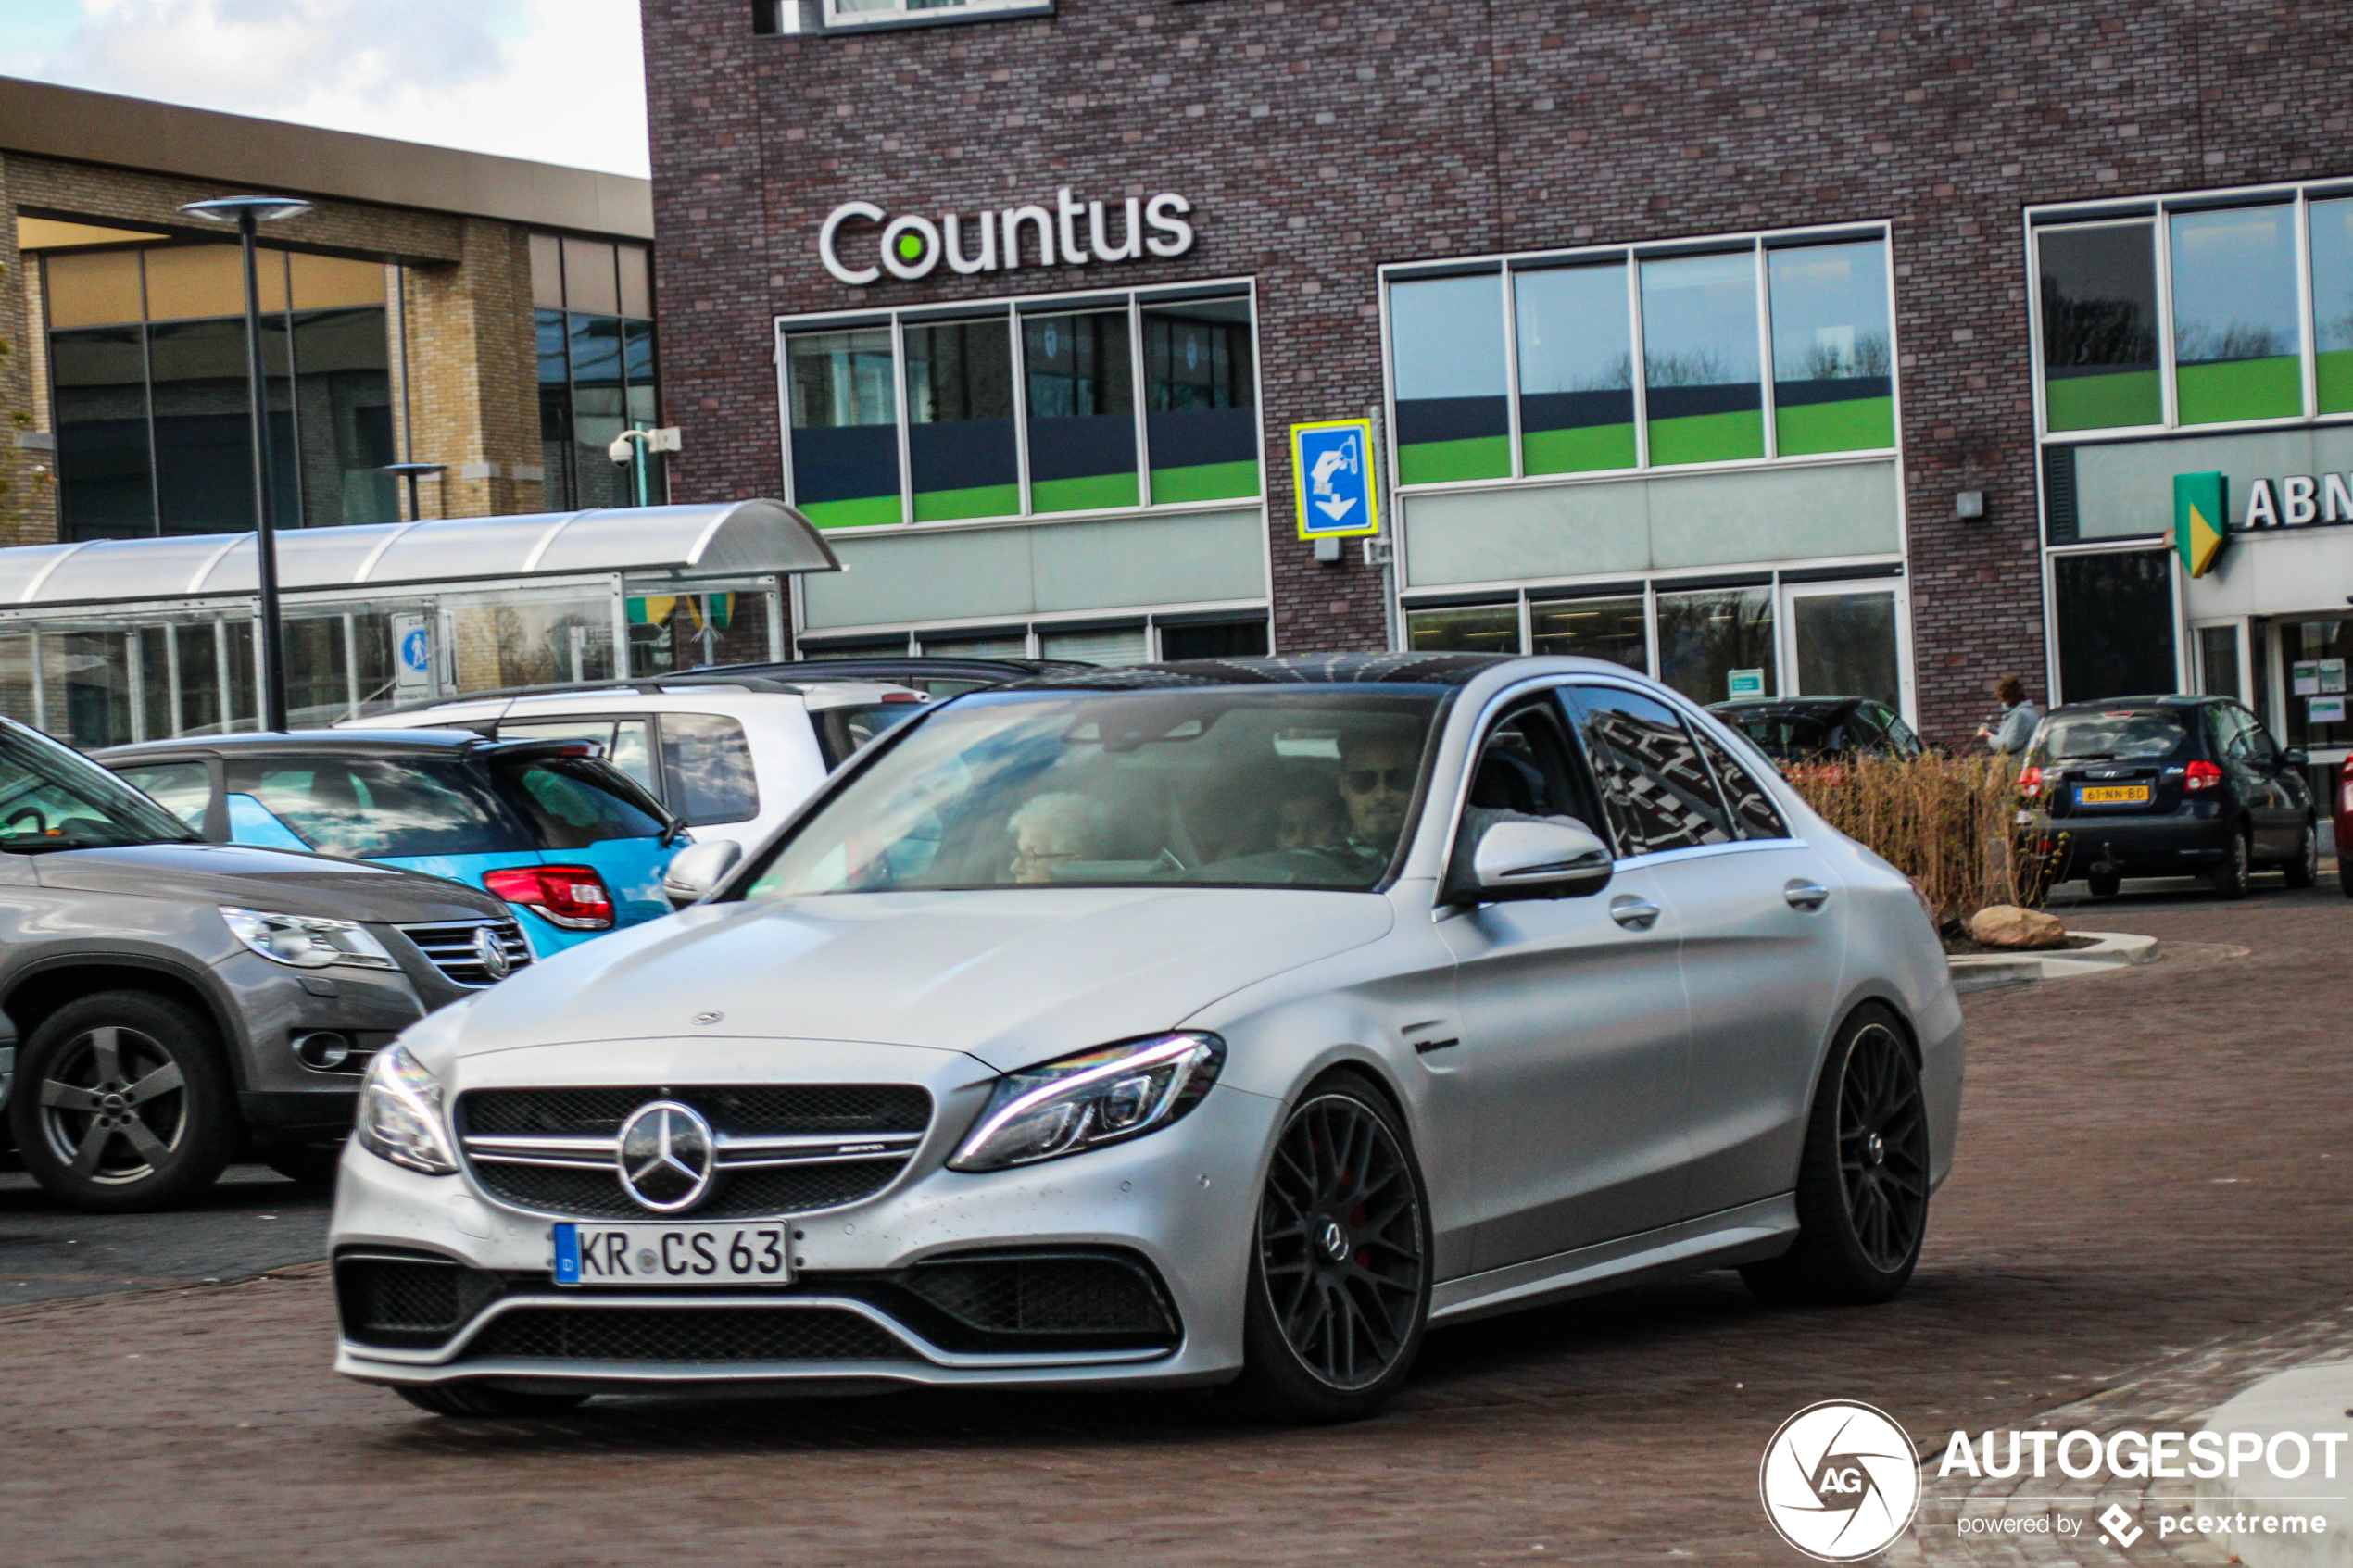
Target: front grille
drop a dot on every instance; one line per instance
(450, 946)
(1044, 1295)
(408, 1303)
(596, 1194)
(753, 1110)
(697, 1334)
(782, 1149)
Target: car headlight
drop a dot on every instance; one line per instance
(306, 941)
(399, 1116)
(1084, 1101)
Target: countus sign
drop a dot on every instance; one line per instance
(1069, 233)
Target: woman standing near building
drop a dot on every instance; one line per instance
(2008, 736)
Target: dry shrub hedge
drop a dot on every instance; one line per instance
(1944, 821)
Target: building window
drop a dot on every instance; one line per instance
(2237, 345)
(2190, 311)
(1617, 628)
(1576, 368)
(593, 312)
(1699, 359)
(2115, 614)
(1453, 387)
(1007, 411)
(1526, 367)
(154, 423)
(1129, 639)
(772, 17)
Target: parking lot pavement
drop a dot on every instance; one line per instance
(2152, 1163)
(253, 1220)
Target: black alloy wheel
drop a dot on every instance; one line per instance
(121, 1104)
(1863, 1180)
(1340, 1286)
(2305, 870)
(1882, 1148)
(2230, 877)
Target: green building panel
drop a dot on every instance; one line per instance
(1855, 424)
(2241, 389)
(2102, 402)
(1089, 492)
(1436, 462)
(1205, 482)
(863, 512)
(1577, 451)
(978, 500)
(1708, 438)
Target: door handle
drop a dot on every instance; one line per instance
(1807, 894)
(1634, 914)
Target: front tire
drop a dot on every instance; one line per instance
(1339, 1289)
(123, 1104)
(1863, 1180)
(2305, 870)
(473, 1402)
(2230, 877)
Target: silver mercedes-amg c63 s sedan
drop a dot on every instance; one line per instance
(1208, 1023)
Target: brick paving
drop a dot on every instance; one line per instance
(2152, 1166)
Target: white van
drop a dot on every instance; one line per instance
(733, 758)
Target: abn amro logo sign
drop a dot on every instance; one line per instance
(1840, 1481)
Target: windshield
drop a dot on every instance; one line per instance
(2131, 735)
(370, 809)
(1254, 787)
(54, 798)
(1788, 738)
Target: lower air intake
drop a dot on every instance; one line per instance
(697, 1334)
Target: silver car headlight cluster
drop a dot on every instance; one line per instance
(1085, 1101)
(400, 1116)
(306, 941)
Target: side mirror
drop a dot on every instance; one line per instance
(697, 869)
(2296, 756)
(1525, 859)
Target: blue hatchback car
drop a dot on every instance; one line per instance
(575, 845)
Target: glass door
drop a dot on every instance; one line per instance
(1847, 639)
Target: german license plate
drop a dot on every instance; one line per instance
(2113, 795)
(610, 1255)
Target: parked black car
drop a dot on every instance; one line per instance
(2166, 786)
(1817, 730)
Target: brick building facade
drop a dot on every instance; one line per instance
(1317, 143)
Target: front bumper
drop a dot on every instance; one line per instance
(1178, 1206)
(275, 1007)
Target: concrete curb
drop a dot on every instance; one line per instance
(2109, 950)
(2305, 1401)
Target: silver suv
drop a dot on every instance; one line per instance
(178, 1004)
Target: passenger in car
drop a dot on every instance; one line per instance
(1308, 813)
(1055, 829)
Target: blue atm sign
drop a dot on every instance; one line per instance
(1331, 467)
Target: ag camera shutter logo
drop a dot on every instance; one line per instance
(1840, 1481)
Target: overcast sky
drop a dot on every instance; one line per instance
(558, 81)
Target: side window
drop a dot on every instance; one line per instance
(1753, 812)
(252, 822)
(180, 788)
(627, 741)
(1659, 794)
(2266, 749)
(1907, 744)
(709, 768)
(2223, 736)
(1527, 768)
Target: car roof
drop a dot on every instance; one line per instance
(893, 666)
(2155, 699)
(1312, 668)
(1778, 707)
(299, 742)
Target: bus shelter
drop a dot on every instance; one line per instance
(112, 640)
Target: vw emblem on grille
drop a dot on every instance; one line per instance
(491, 952)
(666, 1155)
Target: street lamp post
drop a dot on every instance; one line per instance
(249, 213)
(413, 472)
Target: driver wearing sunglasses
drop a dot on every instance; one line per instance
(1377, 767)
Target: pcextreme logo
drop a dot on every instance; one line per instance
(1839, 1481)
(912, 247)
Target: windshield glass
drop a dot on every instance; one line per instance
(2132, 734)
(1788, 738)
(1292, 786)
(54, 798)
(369, 808)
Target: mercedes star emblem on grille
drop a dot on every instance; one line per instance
(492, 952)
(666, 1156)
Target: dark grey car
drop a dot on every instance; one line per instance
(179, 1004)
